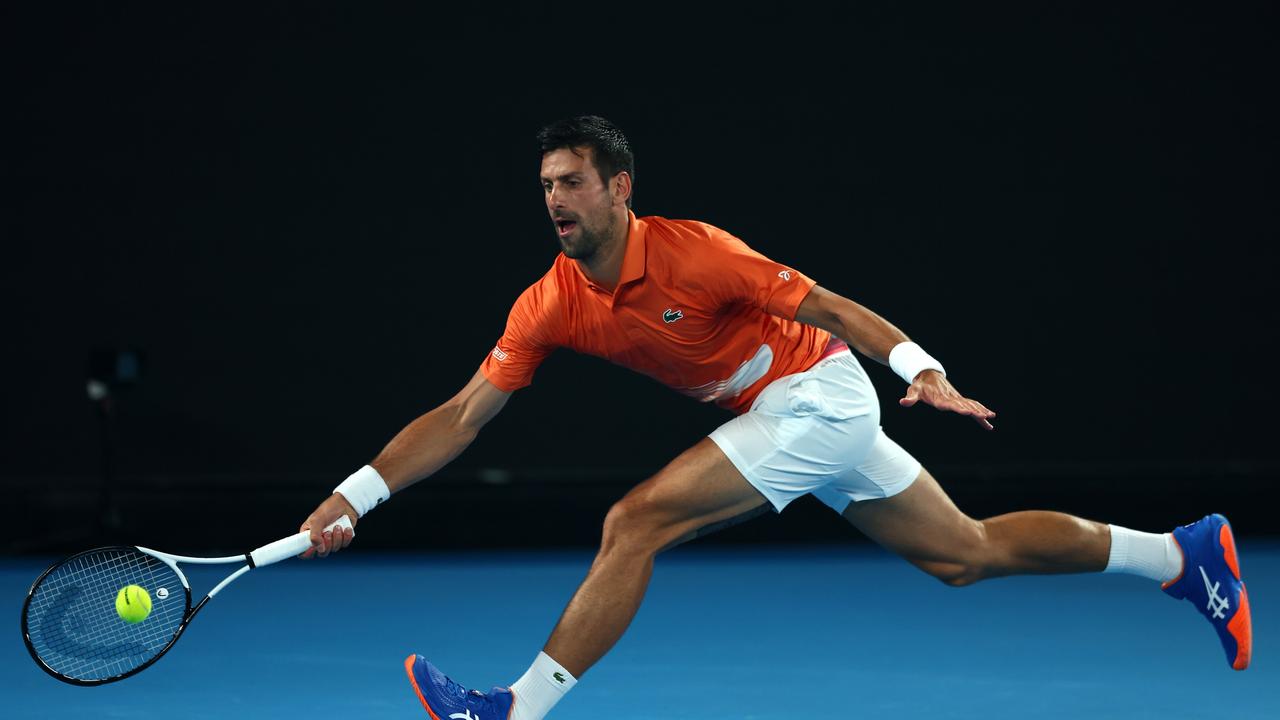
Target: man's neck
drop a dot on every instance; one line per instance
(605, 267)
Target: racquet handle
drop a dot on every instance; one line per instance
(286, 548)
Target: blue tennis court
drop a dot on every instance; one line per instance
(745, 633)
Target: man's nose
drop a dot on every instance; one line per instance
(554, 198)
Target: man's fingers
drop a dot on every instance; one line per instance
(979, 413)
(945, 398)
(972, 407)
(324, 542)
(980, 408)
(965, 406)
(306, 554)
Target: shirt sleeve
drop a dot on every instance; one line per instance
(742, 275)
(531, 336)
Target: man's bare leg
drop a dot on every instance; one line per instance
(698, 491)
(699, 488)
(924, 526)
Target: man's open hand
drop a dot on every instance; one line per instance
(933, 388)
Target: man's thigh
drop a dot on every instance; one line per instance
(920, 523)
(697, 489)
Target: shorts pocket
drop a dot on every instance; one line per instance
(828, 393)
(805, 397)
(815, 395)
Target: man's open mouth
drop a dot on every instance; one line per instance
(565, 226)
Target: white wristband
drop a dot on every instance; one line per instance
(364, 489)
(909, 360)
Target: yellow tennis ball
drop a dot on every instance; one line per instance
(133, 604)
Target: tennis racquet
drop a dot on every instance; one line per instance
(69, 619)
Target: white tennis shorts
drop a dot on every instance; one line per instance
(818, 431)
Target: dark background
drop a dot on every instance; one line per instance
(311, 220)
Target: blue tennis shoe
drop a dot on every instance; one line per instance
(445, 699)
(1210, 580)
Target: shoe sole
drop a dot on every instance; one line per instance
(1241, 625)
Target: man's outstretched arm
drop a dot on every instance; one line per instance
(419, 450)
(875, 337)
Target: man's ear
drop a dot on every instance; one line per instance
(621, 186)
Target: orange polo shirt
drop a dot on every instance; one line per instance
(695, 309)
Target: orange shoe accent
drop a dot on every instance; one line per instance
(1171, 583)
(1241, 628)
(1228, 541)
(408, 669)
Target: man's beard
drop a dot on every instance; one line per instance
(588, 242)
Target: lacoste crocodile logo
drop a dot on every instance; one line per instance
(559, 676)
(671, 316)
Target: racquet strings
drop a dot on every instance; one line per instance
(72, 622)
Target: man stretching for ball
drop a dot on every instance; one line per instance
(696, 309)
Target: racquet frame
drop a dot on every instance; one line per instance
(265, 555)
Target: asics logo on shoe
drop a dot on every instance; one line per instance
(1217, 603)
(463, 716)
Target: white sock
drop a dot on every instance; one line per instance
(540, 688)
(1146, 554)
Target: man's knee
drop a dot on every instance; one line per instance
(964, 563)
(951, 573)
(633, 524)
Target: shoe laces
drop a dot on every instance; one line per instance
(470, 699)
(453, 689)
(477, 700)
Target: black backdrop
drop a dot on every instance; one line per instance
(311, 221)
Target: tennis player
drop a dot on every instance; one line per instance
(695, 308)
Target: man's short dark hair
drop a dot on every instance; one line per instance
(609, 147)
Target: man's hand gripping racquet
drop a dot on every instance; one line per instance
(69, 620)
